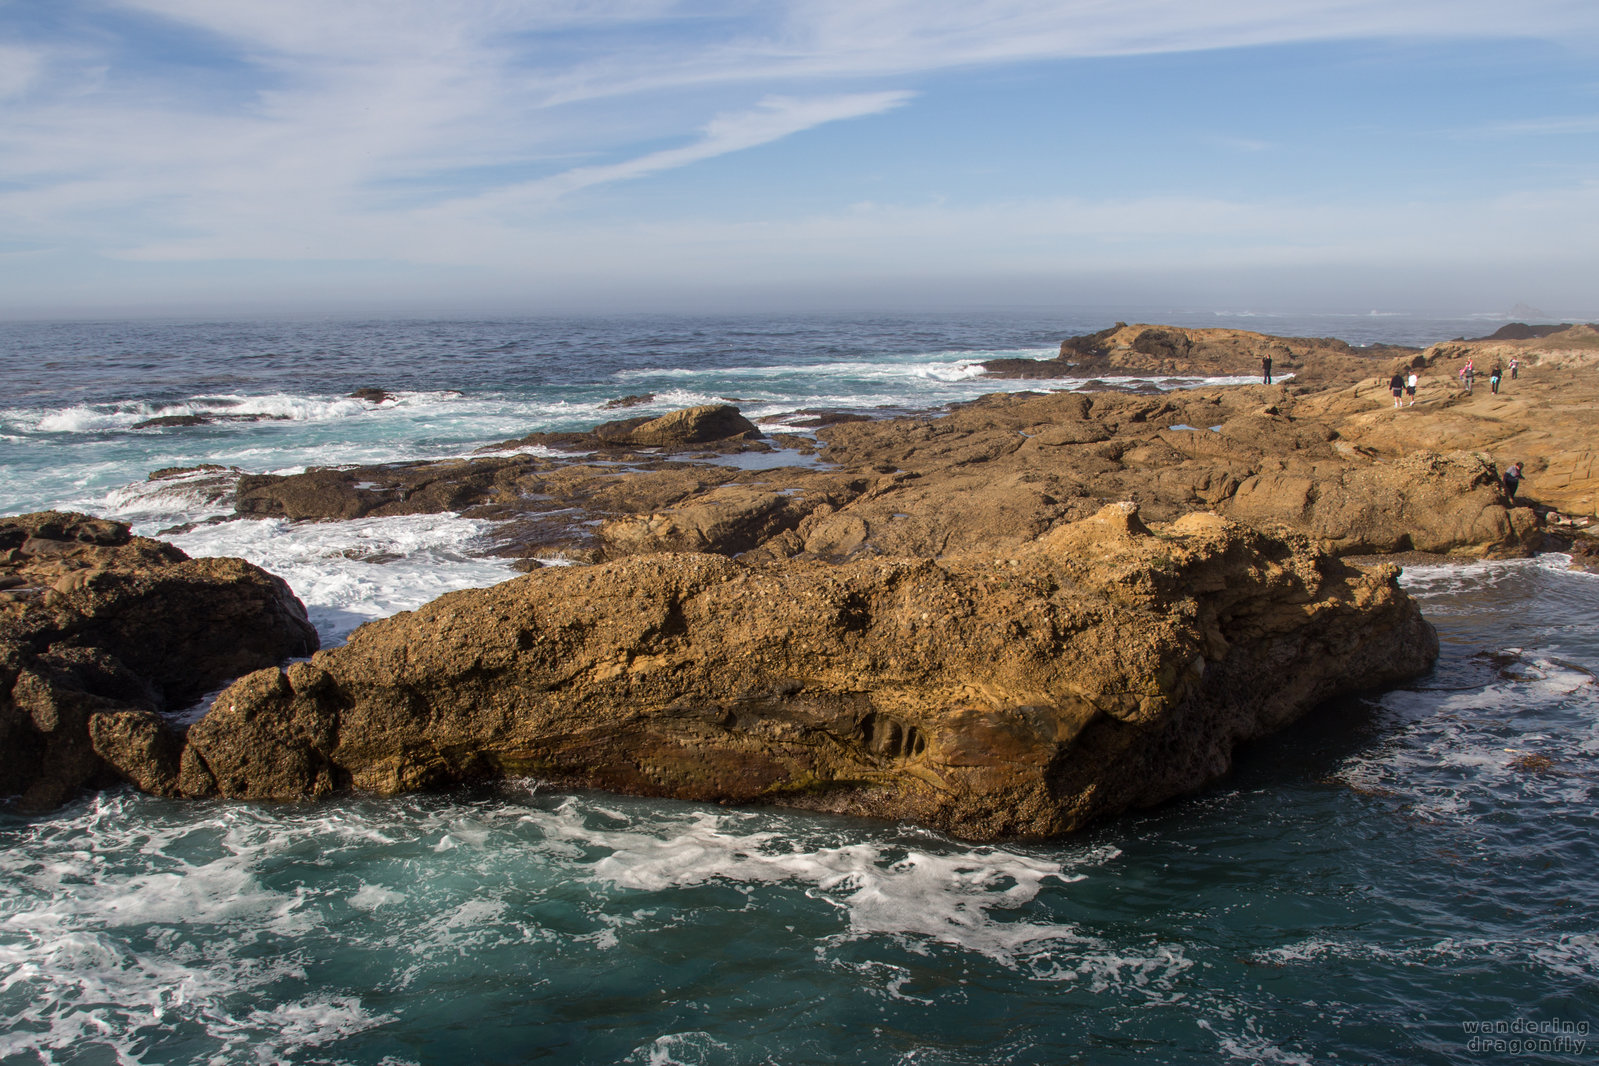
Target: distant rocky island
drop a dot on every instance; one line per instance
(1007, 619)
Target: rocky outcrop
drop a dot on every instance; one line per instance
(1326, 455)
(726, 521)
(1100, 667)
(1546, 347)
(709, 429)
(690, 426)
(1420, 502)
(989, 475)
(1144, 350)
(100, 631)
(1521, 331)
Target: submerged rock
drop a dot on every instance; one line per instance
(171, 421)
(100, 630)
(1101, 667)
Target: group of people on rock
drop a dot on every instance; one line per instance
(1403, 383)
(1403, 386)
(1468, 374)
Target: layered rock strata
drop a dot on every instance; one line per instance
(101, 631)
(1100, 667)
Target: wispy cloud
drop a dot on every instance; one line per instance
(772, 119)
(454, 131)
(875, 38)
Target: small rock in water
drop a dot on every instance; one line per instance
(629, 401)
(171, 421)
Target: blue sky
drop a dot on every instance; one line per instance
(614, 155)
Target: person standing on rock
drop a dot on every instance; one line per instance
(1265, 369)
(1512, 481)
(1493, 378)
(1410, 388)
(1396, 385)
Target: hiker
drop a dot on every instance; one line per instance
(1493, 378)
(1515, 365)
(1410, 388)
(1396, 385)
(1512, 481)
(1265, 369)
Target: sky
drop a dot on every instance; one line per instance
(437, 156)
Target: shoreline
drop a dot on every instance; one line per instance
(958, 503)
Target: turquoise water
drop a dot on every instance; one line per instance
(1376, 885)
(1365, 887)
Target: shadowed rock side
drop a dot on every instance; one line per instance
(1100, 667)
(99, 631)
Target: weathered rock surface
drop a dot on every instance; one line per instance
(710, 429)
(692, 425)
(99, 631)
(1100, 667)
(1325, 454)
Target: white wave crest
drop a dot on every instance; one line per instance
(347, 573)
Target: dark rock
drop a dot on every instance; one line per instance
(813, 419)
(166, 421)
(1520, 331)
(109, 626)
(628, 401)
(1584, 552)
(371, 395)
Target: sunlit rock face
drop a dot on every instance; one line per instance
(1103, 666)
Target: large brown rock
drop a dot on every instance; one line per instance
(690, 426)
(1100, 667)
(1421, 502)
(1144, 350)
(100, 630)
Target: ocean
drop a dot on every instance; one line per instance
(1401, 878)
